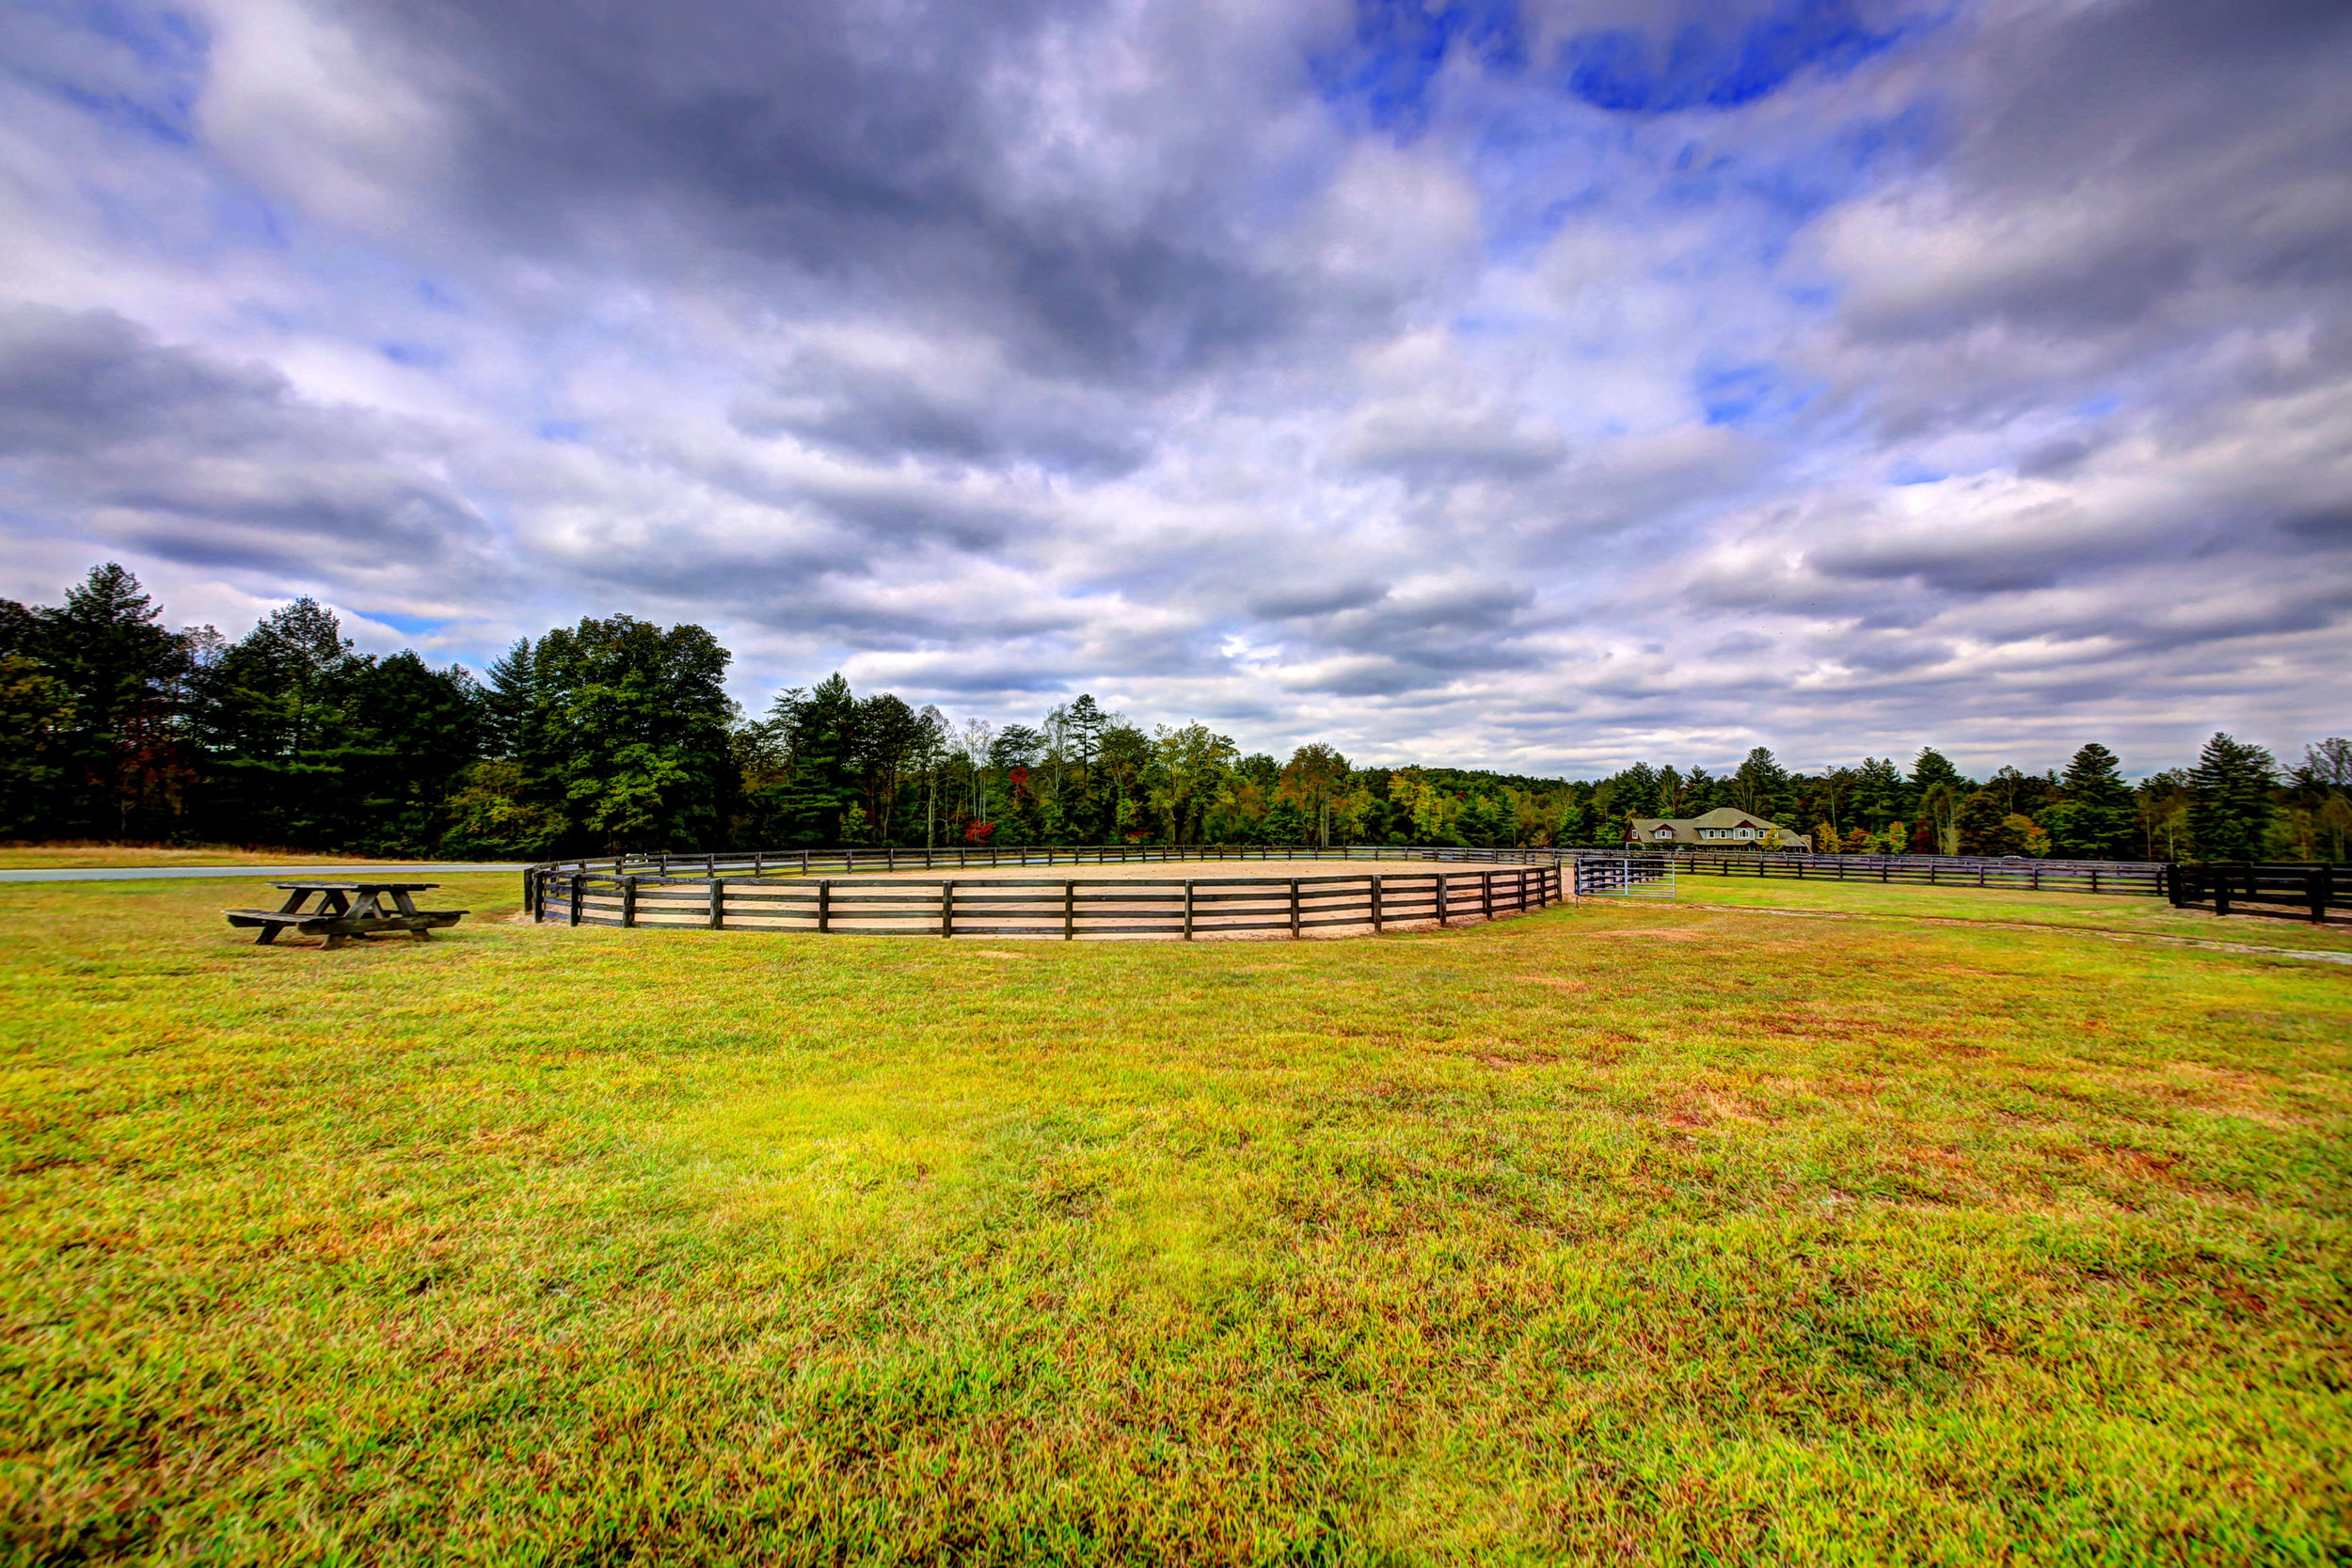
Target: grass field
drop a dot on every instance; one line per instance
(1609, 1234)
(2151, 917)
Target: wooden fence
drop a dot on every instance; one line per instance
(1066, 906)
(848, 863)
(2143, 878)
(2254, 887)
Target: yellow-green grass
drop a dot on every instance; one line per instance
(2128, 915)
(1615, 1233)
(35, 857)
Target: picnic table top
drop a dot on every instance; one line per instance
(357, 887)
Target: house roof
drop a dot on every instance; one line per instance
(1722, 816)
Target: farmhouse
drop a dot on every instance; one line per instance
(1725, 827)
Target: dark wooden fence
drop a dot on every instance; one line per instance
(2145, 879)
(808, 862)
(2254, 887)
(599, 878)
(1066, 906)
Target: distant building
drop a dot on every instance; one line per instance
(1725, 827)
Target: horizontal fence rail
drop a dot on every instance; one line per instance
(2256, 887)
(1178, 908)
(2145, 879)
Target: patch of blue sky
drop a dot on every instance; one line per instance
(2098, 408)
(1742, 397)
(1542, 164)
(421, 356)
(1386, 71)
(1899, 143)
(144, 78)
(407, 625)
(1909, 471)
(570, 431)
(1706, 67)
(243, 216)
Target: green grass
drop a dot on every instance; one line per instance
(2080, 910)
(1610, 1234)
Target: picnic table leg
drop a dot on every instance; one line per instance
(293, 905)
(336, 902)
(407, 905)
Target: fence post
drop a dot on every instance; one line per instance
(824, 903)
(718, 903)
(1294, 909)
(1443, 890)
(2220, 875)
(1070, 912)
(628, 902)
(1375, 905)
(1486, 895)
(578, 882)
(947, 908)
(1188, 908)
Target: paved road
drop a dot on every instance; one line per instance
(284, 873)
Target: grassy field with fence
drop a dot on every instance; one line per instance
(1609, 1233)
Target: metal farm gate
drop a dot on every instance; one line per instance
(1625, 877)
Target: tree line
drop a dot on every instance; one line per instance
(617, 735)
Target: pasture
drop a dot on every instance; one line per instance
(1613, 1233)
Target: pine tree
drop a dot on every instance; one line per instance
(508, 702)
(2231, 810)
(1761, 784)
(118, 668)
(2098, 819)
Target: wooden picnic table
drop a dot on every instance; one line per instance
(346, 909)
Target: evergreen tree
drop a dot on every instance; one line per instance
(509, 699)
(1760, 787)
(1932, 767)
(272, 724)
(817, 726)
(2231, 809)
(121, 748)
(413, 731)
(2097, 819)
(1702, 792)
(1881, 795)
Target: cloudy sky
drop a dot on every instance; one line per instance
(1535, 385)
